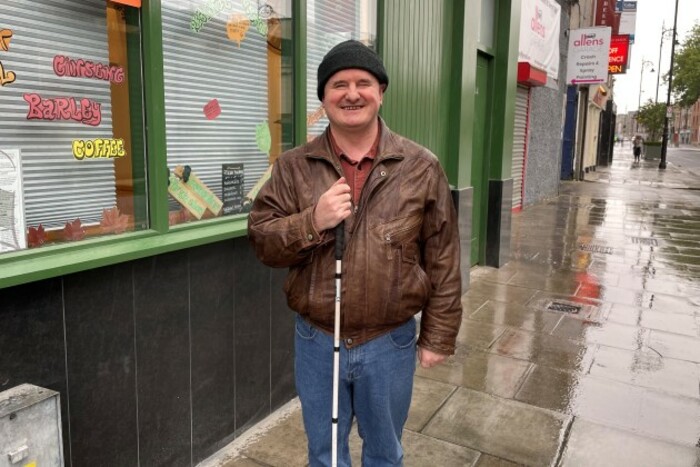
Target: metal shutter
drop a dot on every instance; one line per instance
(328, 23)
(522, 112)
(57, 187)
(206, 65)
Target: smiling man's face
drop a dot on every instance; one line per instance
(352, 99)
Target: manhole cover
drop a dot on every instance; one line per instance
(593, 248)
(564, 307)
(645, 241)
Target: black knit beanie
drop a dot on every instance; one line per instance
(346, 55)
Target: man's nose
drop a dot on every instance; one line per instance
(352, 93)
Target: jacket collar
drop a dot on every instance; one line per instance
(389, 146)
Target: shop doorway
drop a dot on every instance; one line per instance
(480, 158)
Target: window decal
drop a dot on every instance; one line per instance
(5, 36)
(66, 66)
(84, 111)
(6, 77)
(263, 137)
(258, 21)
(113, 221)
(74, 230)
(237, 27)
(209, 10)
(98, 148)
(212, 109)
(36, 236)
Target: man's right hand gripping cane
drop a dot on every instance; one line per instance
(333, 207)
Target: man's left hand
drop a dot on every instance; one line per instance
(428, 358)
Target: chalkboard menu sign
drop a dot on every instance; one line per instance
(232, 188)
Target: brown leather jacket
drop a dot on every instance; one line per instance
(401, 251)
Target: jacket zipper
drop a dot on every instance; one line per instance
(367, 192)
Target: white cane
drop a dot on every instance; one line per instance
(339, 236)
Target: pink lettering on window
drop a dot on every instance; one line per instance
(85, 110)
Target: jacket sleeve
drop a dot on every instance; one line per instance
(442, 316)
(282, 233)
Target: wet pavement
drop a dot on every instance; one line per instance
(583, 350)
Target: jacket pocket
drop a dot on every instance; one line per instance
(397, 231)
(297, 285)
(415, 284)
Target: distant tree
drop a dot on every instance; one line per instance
(686, 70)
(652, 117)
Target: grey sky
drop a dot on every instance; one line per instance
(650, 16)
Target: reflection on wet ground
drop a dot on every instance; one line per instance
(583, 350)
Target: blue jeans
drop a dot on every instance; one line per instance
(376, 382)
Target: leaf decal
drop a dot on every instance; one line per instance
(113, 221)
(36, 236)
(263, 137)
(74, 230)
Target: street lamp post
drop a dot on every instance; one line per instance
(664, 143)
(661, 47)
(641, 75)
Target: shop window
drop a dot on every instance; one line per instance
(228, 101)
(72, 158)
(330, 22)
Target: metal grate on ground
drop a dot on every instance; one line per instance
(647, 241)
(593, 248)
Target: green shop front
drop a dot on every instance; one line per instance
(134, 136)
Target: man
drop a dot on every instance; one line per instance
(401, 257)
(637, 143)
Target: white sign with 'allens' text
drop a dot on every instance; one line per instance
(589, 51)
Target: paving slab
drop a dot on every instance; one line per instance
(499, 427)
(500, 292)
(605, 333)
(420, 451)
(489, 373)
(669, 417)
(602, 446)
(428, 396)
(543, 349)
(648, 369)
(478, 335)
(675, 346)
(491, 461)
(283, 445)
(515, 315)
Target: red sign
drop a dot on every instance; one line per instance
(619, 54)
(605, 15)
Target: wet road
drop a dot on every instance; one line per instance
(584, 350)
(686, 157)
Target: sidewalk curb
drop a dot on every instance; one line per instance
(236, 447)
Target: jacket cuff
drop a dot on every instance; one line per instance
(441, 348)
(310, 238)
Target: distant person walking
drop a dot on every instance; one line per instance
(637, 143)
